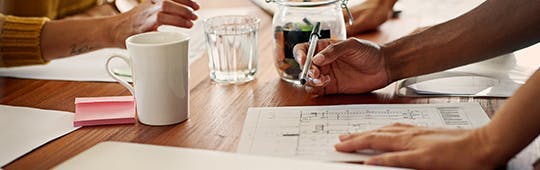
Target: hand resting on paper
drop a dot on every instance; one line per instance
(488, 147)
(354, 66)
(413, 147)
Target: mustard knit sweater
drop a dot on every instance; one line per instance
(21, 23)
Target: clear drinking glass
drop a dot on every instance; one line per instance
(232, 43)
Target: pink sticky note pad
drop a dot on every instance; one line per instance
(92, 111)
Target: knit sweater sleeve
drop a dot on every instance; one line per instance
(20, 40)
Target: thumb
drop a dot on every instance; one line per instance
(299, 53)
(405, 159)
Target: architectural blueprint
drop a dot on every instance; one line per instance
(311, 132)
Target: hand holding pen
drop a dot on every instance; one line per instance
(343, 66)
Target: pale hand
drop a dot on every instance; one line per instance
(346, 67)
(416, 147)
(153, 13)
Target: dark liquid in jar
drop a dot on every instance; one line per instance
(286, 39)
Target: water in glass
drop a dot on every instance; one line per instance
(232, 48)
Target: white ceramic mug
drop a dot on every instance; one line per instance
(159, 66)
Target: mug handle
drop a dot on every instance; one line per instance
(115, 77)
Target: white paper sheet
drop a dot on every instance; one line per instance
(116, 155)
(25, 129)
(311, 132)
(91, 66)
(85, 67)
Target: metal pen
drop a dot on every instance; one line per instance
(313, 39)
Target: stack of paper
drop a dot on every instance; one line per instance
(25, 129)
(92, 111)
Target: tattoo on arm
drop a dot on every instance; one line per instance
(80, 49)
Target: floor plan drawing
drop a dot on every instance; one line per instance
(311, 132)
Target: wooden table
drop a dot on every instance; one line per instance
(217, 111)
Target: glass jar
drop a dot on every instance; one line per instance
(293, 22)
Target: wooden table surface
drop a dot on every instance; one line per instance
(217, 111)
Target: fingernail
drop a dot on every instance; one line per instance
(316, 81)
(196, 5)
(318, 59)
(373, 161)
(326, 79)
(344, 137)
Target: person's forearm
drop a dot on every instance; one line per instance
(494, 28)
(516, 124)
(69, 37)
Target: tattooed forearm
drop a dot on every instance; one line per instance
(79, 49)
